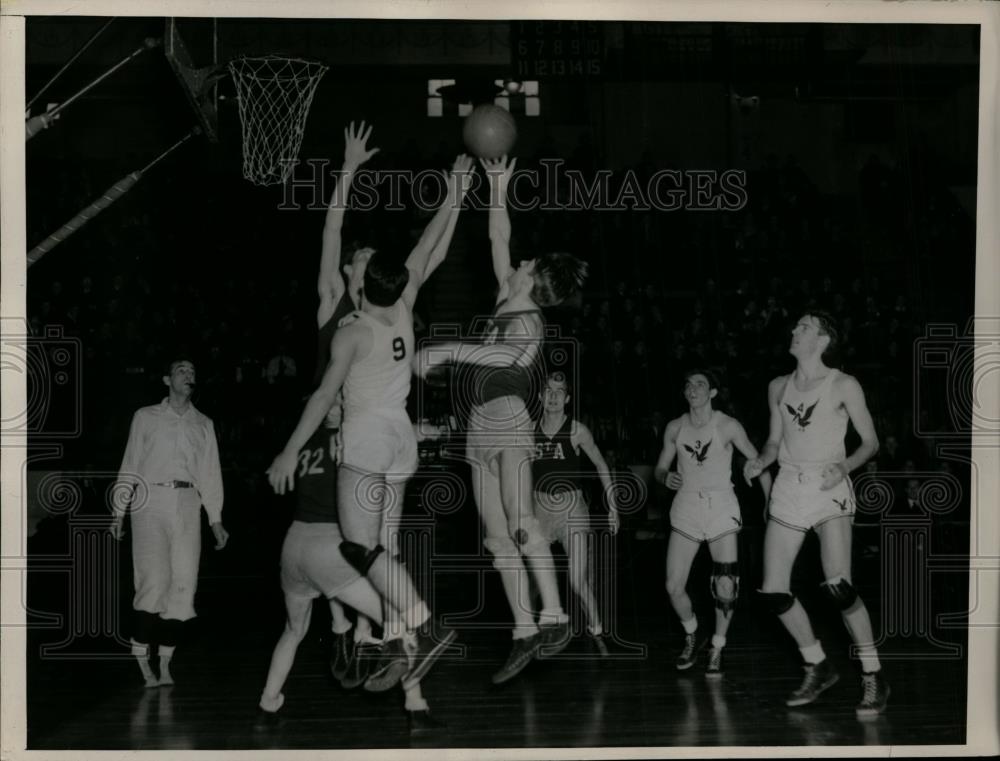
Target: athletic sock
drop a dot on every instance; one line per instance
(718, 642)
(166, 653)
(550, 616)
(813, 654)
(869, 658)
(691, 625)
(141, 653)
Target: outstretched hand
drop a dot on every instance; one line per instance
(462, 170)
(499, 170)
(356, 150)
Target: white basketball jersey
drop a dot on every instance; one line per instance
(381, 381)
(705, 462)
(813, 427)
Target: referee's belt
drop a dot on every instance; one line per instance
(176, 484)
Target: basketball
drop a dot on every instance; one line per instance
(489, 131)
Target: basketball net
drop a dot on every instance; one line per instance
(275, 94)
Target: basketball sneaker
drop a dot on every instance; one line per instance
(365, 655)
(714, 668)
(521, 653)
(690, 652)
(390, 668)
(427, 643)
(553, 639)
(342, 651)
(818, 678)
(875, 695)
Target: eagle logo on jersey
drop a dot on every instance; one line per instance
(802, 418)
(842, 504)
(699, 452)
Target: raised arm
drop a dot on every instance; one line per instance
(584, 439)
(281, 474)
(756, 466)
(331, 285)
(432, 248)
(498, 172)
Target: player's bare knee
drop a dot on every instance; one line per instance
(505, 554)
(676, 585)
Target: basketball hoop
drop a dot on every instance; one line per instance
(274, 94)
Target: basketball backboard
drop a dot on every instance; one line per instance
(191, 47)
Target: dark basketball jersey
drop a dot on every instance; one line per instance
(488, 383)
(556, 464)
(344, 307)
(316, 480)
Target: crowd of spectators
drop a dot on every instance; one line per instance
(667, 292)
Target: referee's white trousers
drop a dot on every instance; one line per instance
(166, 549)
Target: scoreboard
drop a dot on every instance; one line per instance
(552, 49)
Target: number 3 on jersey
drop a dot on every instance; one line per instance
(398, 348)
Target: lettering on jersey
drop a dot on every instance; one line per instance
(737, 521)
(699, 452)
(549, 450)
(309, 462)
(842, 504)
(802, 418)
(398, 348)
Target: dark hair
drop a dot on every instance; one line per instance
(558, 277)
(385, 280)
(828, 326)
(168, 369)
(712, 378)
(559, 377)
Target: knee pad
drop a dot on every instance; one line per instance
(778, 602)
(842, 592)
(529, 537)
(360, 557)
(729, 571)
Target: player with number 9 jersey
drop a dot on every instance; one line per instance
(378, 434)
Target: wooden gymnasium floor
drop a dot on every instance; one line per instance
(98, 702)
